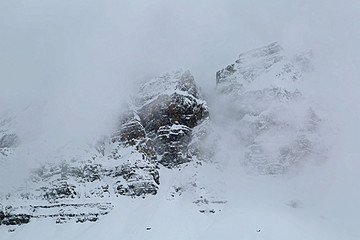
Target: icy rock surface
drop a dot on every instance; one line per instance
(268, 115)
(163, 126)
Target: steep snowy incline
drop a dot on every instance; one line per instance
(265, 67)
(260, 101)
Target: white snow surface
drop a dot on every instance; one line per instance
(245, 207)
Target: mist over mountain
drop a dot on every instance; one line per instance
(159, 120)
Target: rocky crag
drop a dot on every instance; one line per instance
(162, 126)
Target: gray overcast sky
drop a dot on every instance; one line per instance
(85, 55)
(48, 45)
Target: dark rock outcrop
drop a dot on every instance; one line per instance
(17, 219)
(169, 107)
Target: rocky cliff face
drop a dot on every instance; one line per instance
(169, 108)
(162, 126)
(277, 129)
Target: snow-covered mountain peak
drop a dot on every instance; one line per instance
(177, 82)
(166, 109)
(268, 115)
(265, 67)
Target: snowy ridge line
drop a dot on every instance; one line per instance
(266, 67)
(177, 82)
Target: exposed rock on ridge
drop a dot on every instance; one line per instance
(166, 111)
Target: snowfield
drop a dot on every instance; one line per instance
(256, 208)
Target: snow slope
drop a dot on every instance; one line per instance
(265, 111)
(281, 208)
